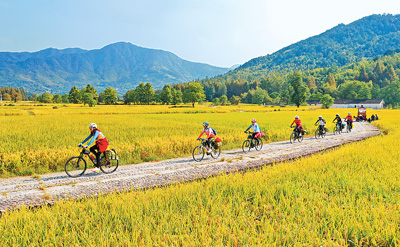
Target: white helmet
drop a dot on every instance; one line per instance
(296, 117)
(337, 115)
(320, 117)
(205, 124)
(93, 125)
(254, 120)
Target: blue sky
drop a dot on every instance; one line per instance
(217, 32)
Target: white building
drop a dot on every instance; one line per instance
(355, 103)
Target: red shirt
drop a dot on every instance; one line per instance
(297, 122)
(349, 117)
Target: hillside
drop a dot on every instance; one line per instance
(120, 65)
(365, 38)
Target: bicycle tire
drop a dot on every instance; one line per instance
(198, 153)
(259, 144)
(215, 152)
(108, 165)
(292, 137)
(246, 146)
(75, 166)
(317, 135)
(300, 138)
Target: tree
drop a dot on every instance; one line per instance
(194, 93)
(311, 82)
(216, 101)
(45, 98)
(327, 101)
(57, 98)
(33, 97)
(389, 73)
(109, 96)
(65, 98)
(299, 90)
(88, 99)
(16, 96)
(260, 96)
(149, 93)
(90, 89)
(130, 96)
(166, 95)
(74, 95)
(355, 90)
(6, 97)
(223, 100)
(176, 96)
(235, 100)
(391, 94)
(330, 79)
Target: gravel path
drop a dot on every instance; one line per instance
(49, 188)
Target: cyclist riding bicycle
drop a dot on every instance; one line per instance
(256, 128)
(211, 133)
(349, 120)
(321, 122)
(299, 127)
(100, 146)
(338, 121)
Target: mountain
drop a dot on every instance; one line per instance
(365, 38)
(120, 65)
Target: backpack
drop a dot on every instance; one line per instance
(215, 132)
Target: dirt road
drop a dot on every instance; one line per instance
(49, 188)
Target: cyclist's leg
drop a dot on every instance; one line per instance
(96, 151)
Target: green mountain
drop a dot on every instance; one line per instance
(120, 65)
(365, 38)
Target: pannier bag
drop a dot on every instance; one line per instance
(111, 154)
(218, 139)
(259, 135)
(326, 129)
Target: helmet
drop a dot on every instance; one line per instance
(320, 117)
(253, 120)
(349, 113)
(337, 115)
(205, 124)
(296, 117)
(93, 125)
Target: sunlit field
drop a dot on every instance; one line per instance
(39, 139)
(347, 196)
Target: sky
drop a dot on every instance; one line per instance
(218, 32)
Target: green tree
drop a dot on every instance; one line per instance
(166, 95)
(90, 89)
(216, 101)
(16, 96)
(330, 79)
(235, 100)
(45, 98)
(390, 74)
(299, 90)
(391, 94)
(110, 96)
(88, 99)
(57, 98)
(149, 93)
(74, 95)
(223, 100)
(130, 97)
(327, 101)
(355, 90)
(65, 98)
(260, 96)
(6, 97)
(194, 93)
(176, 97)
(141, 93)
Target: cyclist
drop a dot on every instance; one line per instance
(299, 127)
(100, 146)
(349, 120)
(322, 123)
(256, 128)
(210, 132)
(338, 121)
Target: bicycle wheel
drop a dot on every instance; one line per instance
(300, 138)
(108, 165)
(75, 166)
(317, 135)
(258, 144)
(293, 137)
(198, 153)
(215, 152)
(246, 146)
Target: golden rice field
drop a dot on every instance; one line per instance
(38, 139)
(347, 196)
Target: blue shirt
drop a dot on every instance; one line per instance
(94, 135)
(256, 129)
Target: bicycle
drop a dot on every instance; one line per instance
(201, 150)
(295, 136)
(251, 143)
(320, 133)
(337, 130)
(76, 166)
(349, 126)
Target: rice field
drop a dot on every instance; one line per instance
(38, 139)
(345, 197)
